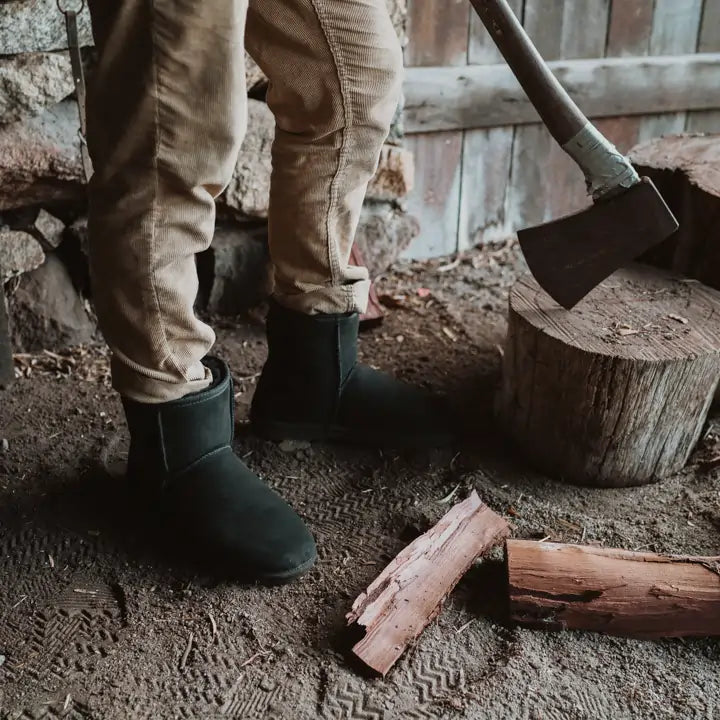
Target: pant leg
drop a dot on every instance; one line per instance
(166, 116)
(335, 69)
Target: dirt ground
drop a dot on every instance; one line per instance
(94, 624)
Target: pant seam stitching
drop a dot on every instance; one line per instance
(157, 141)
(342, 155)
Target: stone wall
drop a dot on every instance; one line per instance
(43, 235)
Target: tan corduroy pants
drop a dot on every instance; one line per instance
(167, 115)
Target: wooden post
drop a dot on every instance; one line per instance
(558, 587)
(615, 392)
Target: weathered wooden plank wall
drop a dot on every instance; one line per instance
(439, 29)
(476, 183)
(708, 42)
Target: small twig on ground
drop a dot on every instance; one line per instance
(20, 601)
(448, 498)
(465, 626)
(184, 658)
(66, 704)
(214, 627)
(254, 657)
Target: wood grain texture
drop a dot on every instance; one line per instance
(630, 27)
(616, 392)
(543, 21)
(435, 198)
(410, 591)
(438, 32)
(488, 95)
(707, 121)
(558, 587)
(487, 158)
(585, 26)
(544, 180)
(686, 170)
(675, 31)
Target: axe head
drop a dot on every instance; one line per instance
(571, 256)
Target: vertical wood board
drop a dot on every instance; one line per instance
(630, 28)
(707, 121)
(676, 28)
(545, 183)
(709, 40)
(487, 157)
(584, 31)
(438, 31)
(435, 199)
(676, 25)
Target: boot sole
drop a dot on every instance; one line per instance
(313, 432)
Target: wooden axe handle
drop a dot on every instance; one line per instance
(562, 117)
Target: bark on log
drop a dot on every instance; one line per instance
(616, 392)
(686, 169)
(410, 591)
(557, 587)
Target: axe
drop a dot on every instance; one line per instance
(572, 255)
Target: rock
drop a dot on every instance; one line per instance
(47, 312)
(38, 26)
(398, 14)
(395, 175)
(40, 158)
(249, 189)
(31, 82)
(78, 231)
(383, 233)
(49, 228)
(235, 271)
(20, 252)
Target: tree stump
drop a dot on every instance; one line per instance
(616, 391)
(686, 170)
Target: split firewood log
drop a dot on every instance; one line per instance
(638, 594)
(410, 591)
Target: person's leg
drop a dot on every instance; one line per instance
(335, 71)
(166, 117)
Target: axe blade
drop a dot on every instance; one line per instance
(571, 256)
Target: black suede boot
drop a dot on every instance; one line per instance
(312, 388)
(182, 461)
